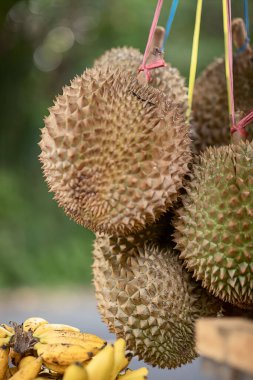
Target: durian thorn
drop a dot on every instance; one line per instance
(239, 34)
(156, 46)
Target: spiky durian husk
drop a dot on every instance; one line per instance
(166, 79)
(114, 152)
(210, 124)
(214, 228)
(128, 58)
(160, 232)
(146, 296)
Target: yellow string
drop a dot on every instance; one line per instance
(194, 56)
(225, 26)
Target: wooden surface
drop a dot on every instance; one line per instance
(226, 340)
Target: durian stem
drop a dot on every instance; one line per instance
(154, 52)
(239, 33)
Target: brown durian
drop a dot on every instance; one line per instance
(146, 297)
(166, 79)
(210, 115)
(127, 58)
(114, 152)
(214, 229)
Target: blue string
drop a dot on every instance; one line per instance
(173, 9)
(246, 16)
(246, 19)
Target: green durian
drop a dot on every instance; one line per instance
(146, 297)
(214, 228)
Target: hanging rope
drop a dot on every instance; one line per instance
(194, 56)
(246, 16)
(160, 62)
(227, 21)
(228, 57)
(171, 17)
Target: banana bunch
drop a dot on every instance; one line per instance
(5, 338)
(38, 349)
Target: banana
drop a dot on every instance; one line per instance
(101, 366)
(15, 357)
(4, 333)
(5, 341)
(120, 360)
(4, 353)
(75, 372)
(8, 328)
(138, 374)
(31, 324)
(25, 361)
(30, 371)
(53, 327)
(88, 345)
(62, 354)
(72, 334)
(58, 369)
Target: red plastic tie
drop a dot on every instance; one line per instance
(240, 127)
(160, 62)
(150, 66)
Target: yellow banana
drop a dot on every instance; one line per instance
(53, 327)
(62, 354)
(4, 353)
(15, 357)
(31, 324)
(120, 360)
(72, 334)
(8, 328)
(30, 371)
(4, 333)
(101, 366)
(88, 345)
(58, 369)
(76, 372)
(138, 374)
(25, 361)
(5, 341)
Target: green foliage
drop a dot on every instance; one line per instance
(38, 244)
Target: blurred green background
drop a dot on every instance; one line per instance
(44, 44)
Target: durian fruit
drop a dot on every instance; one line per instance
(127, 58)
(114, 152)
(214, 229)
(210, 116)
(166, 79)
(146, 296)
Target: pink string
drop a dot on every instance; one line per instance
(160, 62)
(239, 127)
